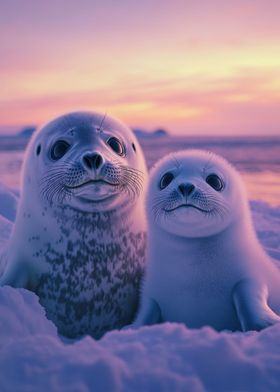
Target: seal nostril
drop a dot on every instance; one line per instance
(93, 161)
(189, 188)
(98, 161)
(186, 189)
(87, 162)
(181, 189)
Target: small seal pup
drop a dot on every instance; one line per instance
(79, 237)
(205, 265)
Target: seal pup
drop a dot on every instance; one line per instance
(205, 265)
(79, 237)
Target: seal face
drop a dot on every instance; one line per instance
(205, 265)
(191, 188)
(80, 233)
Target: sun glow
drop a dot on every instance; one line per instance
(188, 70)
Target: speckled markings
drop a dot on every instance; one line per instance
(93, 281)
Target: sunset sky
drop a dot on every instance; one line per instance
(192, 67)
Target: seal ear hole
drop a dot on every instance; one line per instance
(133, 146)
(215, 182)
(38, 150)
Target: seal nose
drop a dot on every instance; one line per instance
(92, 161)
(186, 189)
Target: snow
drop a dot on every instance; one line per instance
(167, 357)
(8, 202)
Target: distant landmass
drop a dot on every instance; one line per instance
(26, 132)
(20, 132)
(16, 141)
(140, 133)
(158, 133)
(19, 140)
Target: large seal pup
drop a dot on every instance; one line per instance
(79, 237)
(205, 265)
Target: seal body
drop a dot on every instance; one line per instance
(79, 237)
(205, 265)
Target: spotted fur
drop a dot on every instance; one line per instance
(91, 287)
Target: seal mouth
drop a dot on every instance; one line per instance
(101, 200)
(94, 182)
(186, 206)
(95, 191)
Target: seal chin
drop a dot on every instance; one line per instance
(94, 199)
(94, 205)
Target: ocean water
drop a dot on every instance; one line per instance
(258, 159)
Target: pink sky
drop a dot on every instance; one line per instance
(210, 67)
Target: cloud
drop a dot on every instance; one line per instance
(183, 64)
(244, 102)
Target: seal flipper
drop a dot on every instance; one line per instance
(250, 300)
(149, 314)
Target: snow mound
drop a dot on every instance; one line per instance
(8, 202)
(267, 223)
(21, 315)
(167, 357)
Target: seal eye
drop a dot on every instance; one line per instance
(59, 149)
(166, 180)
(116, 146)
(215, 182)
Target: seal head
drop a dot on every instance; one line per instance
(86, 160)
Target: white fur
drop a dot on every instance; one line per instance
(197, 260)
(53, 223)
